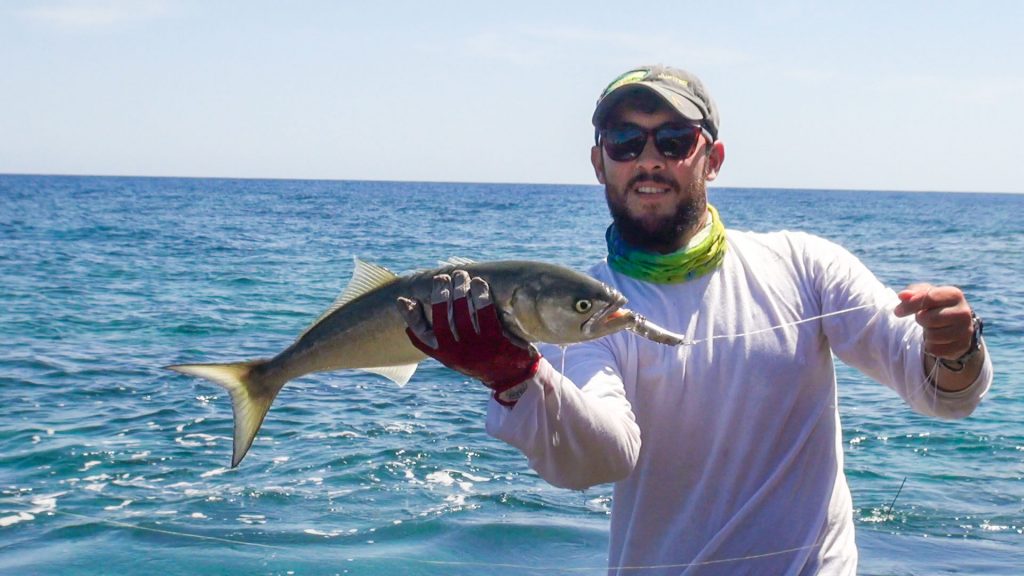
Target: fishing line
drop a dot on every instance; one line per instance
(893, 503)
(686, 342)
(931, 378)
(533, 567)
(786, 325)
(130, 526)
(453, 563)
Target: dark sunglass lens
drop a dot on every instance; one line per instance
(624, 142)
(675, 141)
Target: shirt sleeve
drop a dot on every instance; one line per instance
(573, 436)
(874, 340)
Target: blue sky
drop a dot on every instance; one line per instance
(900, 95)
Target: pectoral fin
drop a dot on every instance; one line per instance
(398, 374)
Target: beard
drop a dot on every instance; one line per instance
(659, 233)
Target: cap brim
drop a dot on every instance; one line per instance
(678, 102)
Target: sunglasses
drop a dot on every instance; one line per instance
(626, 142)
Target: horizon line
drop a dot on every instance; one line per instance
(489, 183)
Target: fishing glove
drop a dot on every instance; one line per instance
(467, 335)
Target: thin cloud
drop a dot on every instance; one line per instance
(536, 45)
(96, 13)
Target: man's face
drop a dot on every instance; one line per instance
(657, 203)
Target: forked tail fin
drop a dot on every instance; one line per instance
(252, 393)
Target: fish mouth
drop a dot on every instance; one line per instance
(610, 319)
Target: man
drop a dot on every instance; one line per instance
(727, 454)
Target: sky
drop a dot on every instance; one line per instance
(869, 95)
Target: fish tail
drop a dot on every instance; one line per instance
(252, 392)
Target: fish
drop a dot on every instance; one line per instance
(363, 329)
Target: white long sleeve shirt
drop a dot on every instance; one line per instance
(727, 454)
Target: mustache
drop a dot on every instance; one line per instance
(654, 179)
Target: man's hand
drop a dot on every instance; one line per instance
(470, 338)
(945, 316)
(948, 325)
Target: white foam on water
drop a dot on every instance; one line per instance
(442, 477)
(324, 533)
(120, 506)
(90, 464)
(456, 500)
(277, 489)
(181, 427)
(46, 502)
(400, 427)
(455, 478)
(40, 504)
(600, 504)
(128, 480)
(19, 517)
(214, 472)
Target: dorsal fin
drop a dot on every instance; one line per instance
(366, 277)
(455, 261)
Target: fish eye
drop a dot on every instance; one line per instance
(584, 306)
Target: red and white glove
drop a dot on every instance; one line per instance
(470, 338)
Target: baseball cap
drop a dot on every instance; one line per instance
(680, 89)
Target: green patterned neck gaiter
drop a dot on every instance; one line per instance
(682, 265)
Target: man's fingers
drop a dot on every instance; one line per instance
(461, 310)
(918, 297)
(486, 314)
(416, 321)
(440, 289)
(480, 292)
(440, 297)
(912, 299)
(943, 313)
(488, 318)
(946, 342)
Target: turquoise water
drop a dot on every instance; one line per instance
(109, 464)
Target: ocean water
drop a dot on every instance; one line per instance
(110, 464)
